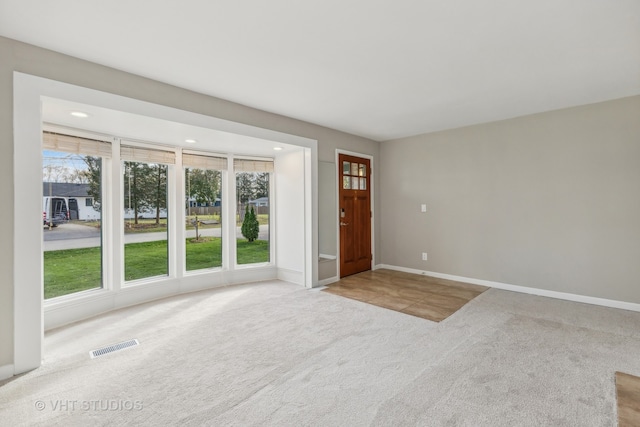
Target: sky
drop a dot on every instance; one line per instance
(60, 165)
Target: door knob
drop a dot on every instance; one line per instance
(344, 223)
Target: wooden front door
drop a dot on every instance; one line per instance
(354, 214)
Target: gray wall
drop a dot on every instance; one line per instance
(28, 59)
(549, 201)
(327, 210)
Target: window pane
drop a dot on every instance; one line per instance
(346, 168)
(362, 170)
(363, 183)
(71, 225)
(354, 169)
(252, 217)
(354, 182)
(346, 182)
(145, 220)
(203, 188)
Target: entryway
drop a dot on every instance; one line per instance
(414, 294)
(354, 193)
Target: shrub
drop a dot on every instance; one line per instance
(250, 226)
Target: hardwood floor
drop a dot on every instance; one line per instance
(628, 392)
(422, 296)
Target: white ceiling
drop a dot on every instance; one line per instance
(56, 114)
(380, 69)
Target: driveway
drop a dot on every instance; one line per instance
(74, 236)
(69, 231)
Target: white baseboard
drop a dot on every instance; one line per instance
(291, 276)
(325, 256)
(330, 280)
(6, 371)
(90, 304)
(522, 289)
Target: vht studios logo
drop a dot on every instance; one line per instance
(89, 405)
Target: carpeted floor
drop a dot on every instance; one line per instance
(273, 353)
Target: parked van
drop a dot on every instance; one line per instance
(55, 210)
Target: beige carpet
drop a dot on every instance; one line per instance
(276, 354)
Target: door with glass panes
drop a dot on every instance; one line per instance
(354, 214)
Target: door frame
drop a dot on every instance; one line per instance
(371, 201)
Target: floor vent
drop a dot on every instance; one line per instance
(116, 347)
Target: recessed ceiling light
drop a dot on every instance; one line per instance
(190, 141)
(79, 114)
(277, 148)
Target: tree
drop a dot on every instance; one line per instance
(52, 173)
(250, 226)
(75, 176)
(160, 193)
(245, 191)
(203, 185)
(245, 187)
(93, 176)
(262, 184)
(135, 178)
(145, 186)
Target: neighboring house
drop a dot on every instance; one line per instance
(194, 204)
(79, 202)
(145, 213)
(262, 201)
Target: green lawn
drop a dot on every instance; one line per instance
(71, 270)
(146, 259)
(207, 254)
(256, 251)
(150, 226)
(262, 219)
(75, 270)
(144, 226)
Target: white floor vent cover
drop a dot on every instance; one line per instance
(116, 347)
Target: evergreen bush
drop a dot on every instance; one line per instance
(250, 226)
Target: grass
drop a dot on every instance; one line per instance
(150, 226)
(145, 259)
(74, 270)
(262, 219)
(144, 226)
(256, 251)
(71, 270)
(206, 254)
(190, 218)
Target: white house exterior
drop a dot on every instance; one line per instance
(79, 204)
(74, 201)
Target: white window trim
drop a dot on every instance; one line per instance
(271, 240)
(28, 314)
(182, 196)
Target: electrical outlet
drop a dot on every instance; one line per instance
(424, 256)
(423, 208)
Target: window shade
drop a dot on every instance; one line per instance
(203, 162)
(243, 165)
(139, 154)
(76, 145)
